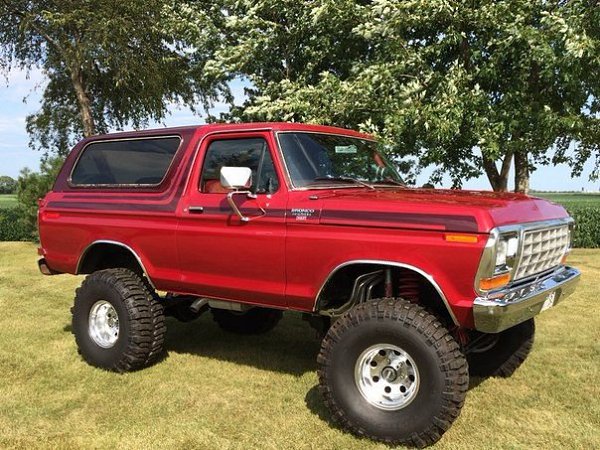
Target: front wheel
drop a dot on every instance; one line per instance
(388, 370)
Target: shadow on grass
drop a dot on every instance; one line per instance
(290, 348)
(314, 402)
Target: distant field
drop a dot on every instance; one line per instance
(585, 209)
(566, 198)
(8, 200)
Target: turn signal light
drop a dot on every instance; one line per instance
(487, 284)
(563, 260)
(461, 238)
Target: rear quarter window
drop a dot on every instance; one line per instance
(128, 162)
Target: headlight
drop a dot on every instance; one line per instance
(499, 259)
(506, 252)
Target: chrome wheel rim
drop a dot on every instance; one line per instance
(103, 324)
(387, 377)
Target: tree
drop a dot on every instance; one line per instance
(463, 86)
(32, 186)
(8, 185)
(108, 63)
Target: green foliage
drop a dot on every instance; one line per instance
(458, 85)
(14, 226)
(587, 218)
(108, 63)
(33, 186)
(8, 185)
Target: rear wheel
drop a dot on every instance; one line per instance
(390, 371)
(253, 321)
(502, 353)
(117, 323)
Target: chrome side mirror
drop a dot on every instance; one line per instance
(236, 179)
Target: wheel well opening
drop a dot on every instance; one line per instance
(359, 282)
(109, 256)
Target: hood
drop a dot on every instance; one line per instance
(434, 209)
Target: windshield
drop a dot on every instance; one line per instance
(315, 159)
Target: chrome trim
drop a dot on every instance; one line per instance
(45, 268)
(273, 152)
(387, 377)
(118, 186)
(119, 244)
(524, 270)
(426, 275)
(488, 257)
(507, 307)
(287, 171)
(103, 324)
(236, 209)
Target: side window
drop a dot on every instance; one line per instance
(253, 153)
(128, 162)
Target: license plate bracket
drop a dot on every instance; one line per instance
(549, 301)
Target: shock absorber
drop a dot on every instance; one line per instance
(409, 286)
(389, 288)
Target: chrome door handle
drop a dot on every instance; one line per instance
(196, 209)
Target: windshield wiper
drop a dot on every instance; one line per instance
(390, 181)
(345, 179)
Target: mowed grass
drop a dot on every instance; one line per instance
(8, 201)
(216, 390)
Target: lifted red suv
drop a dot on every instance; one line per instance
(411, 288)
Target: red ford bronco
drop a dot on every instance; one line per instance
(413, 289)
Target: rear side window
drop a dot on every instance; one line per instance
(128, 162)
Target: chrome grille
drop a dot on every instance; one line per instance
(542, 250)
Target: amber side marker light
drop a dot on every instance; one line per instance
(487, 284)
(469, 238)
(563, 260)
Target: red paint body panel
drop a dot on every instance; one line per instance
(284, 258)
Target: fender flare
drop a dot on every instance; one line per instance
(421, 272)
(118, 244)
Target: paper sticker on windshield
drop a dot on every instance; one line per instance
(346, 149)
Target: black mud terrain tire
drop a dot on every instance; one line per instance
(134, 336)
(509, 351)
(253, 321)
(437, 378)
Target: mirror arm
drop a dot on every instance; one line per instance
(235, 208)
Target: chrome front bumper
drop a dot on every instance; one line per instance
(510, 306)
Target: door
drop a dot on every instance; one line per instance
(222, 255)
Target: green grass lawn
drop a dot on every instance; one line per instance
(215, 390)
(8, 200)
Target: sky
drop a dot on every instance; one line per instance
(20, 95)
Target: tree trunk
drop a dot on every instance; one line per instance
(521, 172)
(498, 180)
(85, 105)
